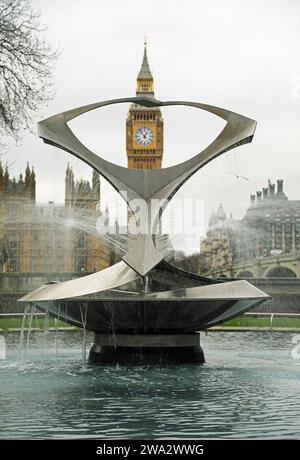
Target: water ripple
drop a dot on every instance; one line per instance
(249, 388)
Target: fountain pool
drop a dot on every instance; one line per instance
(249, 388)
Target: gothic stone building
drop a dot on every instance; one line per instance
(50, 238)
(265, 243)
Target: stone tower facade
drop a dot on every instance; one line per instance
(50, 238)
(17, 200)
(15, 190)
(144, 126)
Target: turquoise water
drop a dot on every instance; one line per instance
(249, 388)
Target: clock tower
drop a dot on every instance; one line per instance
(144, 126)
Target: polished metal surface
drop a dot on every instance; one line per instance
(159, 185)
(135, 310)
(240, 289)
(143, 294)
(111, 277)
(102, 283)
(133, 316)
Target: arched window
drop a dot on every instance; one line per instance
(280, 272)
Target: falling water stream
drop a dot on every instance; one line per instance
(22, 332)
(83, 314)
(31, 314)
(45, 333)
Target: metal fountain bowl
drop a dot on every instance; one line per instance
(122, 305)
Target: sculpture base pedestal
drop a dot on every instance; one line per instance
(140, 350)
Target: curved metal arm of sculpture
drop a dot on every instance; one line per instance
(144, 183)
(147, 184)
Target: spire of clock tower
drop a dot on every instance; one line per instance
(145, 72)
(145, 78)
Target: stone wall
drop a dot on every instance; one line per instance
(15, 285)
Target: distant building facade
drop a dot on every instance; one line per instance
(264, 243)
(50, 238)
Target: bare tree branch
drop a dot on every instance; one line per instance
(26, 64)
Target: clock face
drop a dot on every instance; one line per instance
(144, 136)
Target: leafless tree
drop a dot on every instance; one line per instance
(26, 64)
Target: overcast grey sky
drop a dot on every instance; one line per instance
(240, 55)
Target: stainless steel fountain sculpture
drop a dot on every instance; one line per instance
(134, 324)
